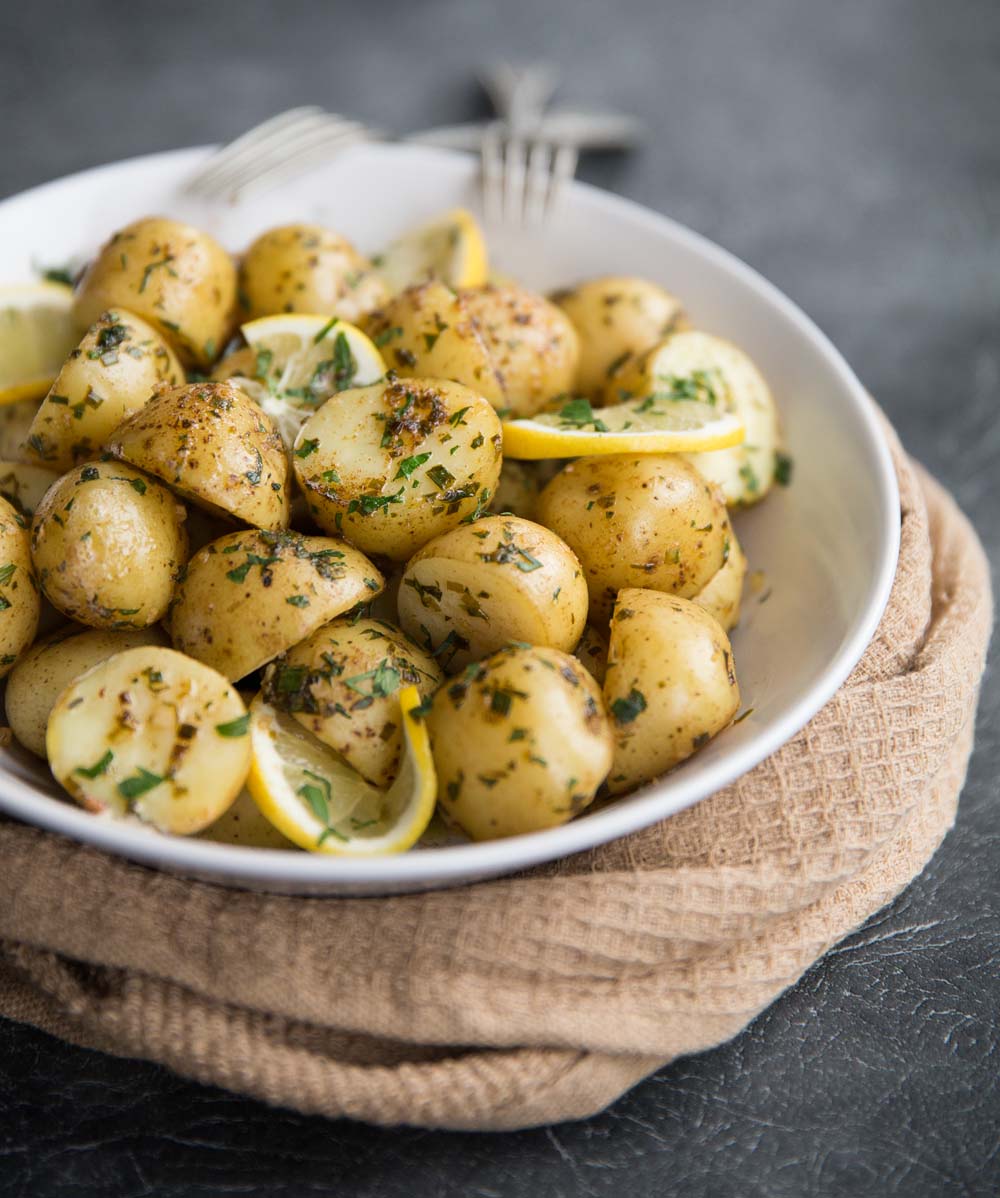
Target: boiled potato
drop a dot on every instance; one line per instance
(691, 365)
(108, 543)
(19, 598)
(592, 651)
(670, 684)
(392, 465)
(23, 484)
(171, 274)
(480, 586)
(532, 344)
(614, 318)
(306, 268)
(214, 446)
(721, 596)
(251, 595)
(110, 375)
(637, 518)
(342, 683)
(429, 331)
(520, 743)
(150, 732)
(243, 824)
(50, 665)
(15, 423)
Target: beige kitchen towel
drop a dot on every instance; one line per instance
(542, 997)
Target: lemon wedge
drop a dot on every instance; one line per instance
(451, 248)
(301, 360)
(655, 424)
(36, 335)
(315, 799)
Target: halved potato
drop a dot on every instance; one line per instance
(392, 465)
(692, 365)
(342, 683)
(722, 594)
(19, 599)
(481, 586)
(23, 484)
(50, 665)
(151, 733)
(670, 684)
(616, 317)
(306, 268)
(429, 332)
(532, 345)
(249, 596)
(171, 274)
(631, 519)
(110, 375)
(214, 446)
(108, 543)
(520, 743)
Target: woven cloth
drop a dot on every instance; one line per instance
(543, 997)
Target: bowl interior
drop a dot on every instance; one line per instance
(825, 547)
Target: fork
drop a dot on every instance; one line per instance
(276, 149)
(523, 176)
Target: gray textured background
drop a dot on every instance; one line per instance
(851, 152)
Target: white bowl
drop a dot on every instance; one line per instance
(827, 545)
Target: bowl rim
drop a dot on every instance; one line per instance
(235, 865)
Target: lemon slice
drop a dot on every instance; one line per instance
(301, 360)
(36, 335)
(656, 424)
(315, 799)
(451, 249)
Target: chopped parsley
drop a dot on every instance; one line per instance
(98, 768)
(234, 728)
(626, 710)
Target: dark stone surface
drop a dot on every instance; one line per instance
(850, 151)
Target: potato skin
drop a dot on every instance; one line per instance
(477, 588)
(637, 518)
(392, 465)
(214, 445)
(23, 484)
(108, 543)
(51, 664)
(342, 683)
(722, 594)
(112, 372)
(670, 685)
(521, 742)
(532, 344)
(251, 595)
(616, 316)
(306, 268)
(152, 733)
(171, 274)
(429, 331)
(20, 602)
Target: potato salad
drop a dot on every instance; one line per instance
(307, 549)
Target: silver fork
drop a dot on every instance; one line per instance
(278, 148)
(523, 176)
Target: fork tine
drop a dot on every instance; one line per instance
(260, 155)
(540, 167)
(259, 134)
(491, 154)
(563, 169)
(515, 164)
